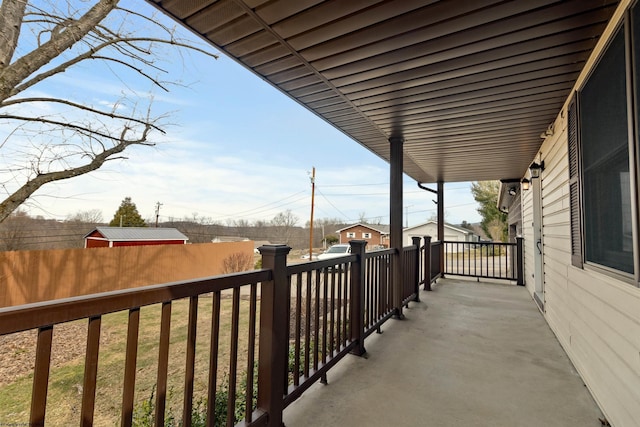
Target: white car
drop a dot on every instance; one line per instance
(335, 251)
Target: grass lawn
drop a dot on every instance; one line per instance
(65, 381)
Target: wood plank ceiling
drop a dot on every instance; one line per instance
(469, 85)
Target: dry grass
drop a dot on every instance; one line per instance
(65, 383)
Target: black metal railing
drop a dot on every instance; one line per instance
(436, 261)
(319, 327)
(429, 265)
(492, 260)
(411, 272)
(378, 306)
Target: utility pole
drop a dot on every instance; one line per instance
(158, 204)
(313, 191)
(406, 216)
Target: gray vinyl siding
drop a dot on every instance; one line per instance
(595, 316)
(527, 234)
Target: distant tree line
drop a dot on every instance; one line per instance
(23, 232)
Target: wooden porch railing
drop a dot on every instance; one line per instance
(282, 328)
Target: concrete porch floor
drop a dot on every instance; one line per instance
(469, 354)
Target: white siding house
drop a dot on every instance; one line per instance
(430, 228)
(586, 282)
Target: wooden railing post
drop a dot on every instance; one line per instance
(519, 261)
(427, 263)
(273, 333)
(415, 241)
(357, 296)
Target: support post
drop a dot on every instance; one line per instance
(357, 296)
(519, 261)
(441, 225)
(415, 241)
(395, 223)
(427, 263)
(273, 333)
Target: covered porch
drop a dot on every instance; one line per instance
(445, 92)
(472, 353)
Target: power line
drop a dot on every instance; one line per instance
(354, 185)
(328, 201)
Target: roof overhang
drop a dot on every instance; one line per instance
(469, 85)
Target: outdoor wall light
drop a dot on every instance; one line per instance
(524, 184)
(512, 191)
(536, 169)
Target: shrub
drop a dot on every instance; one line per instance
(236, 262)
(143, 413)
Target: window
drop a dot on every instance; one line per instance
(605, 161)
(351, 235)
(599, 162)
(366, 235)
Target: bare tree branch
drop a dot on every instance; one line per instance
(60, 138)
(23, 67)
(79, 128)
(90, 54)
(23, 193)
(79, 106)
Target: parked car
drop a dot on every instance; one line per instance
(314, 256)
(335, 251)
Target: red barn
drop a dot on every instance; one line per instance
(109, 237)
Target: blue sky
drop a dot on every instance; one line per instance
(235, 148)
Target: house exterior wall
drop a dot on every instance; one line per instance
(595, 316)
(514, 218)
(96, 243)
(431, 229)
(376, 239)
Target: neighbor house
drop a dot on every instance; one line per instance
(109, 237)
(376, 236)
(430, 228)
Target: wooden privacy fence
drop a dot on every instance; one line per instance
(285, 327)
(35, 276)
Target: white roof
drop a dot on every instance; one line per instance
(139, 233)
(450, 227)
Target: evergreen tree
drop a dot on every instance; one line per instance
(494, 222)
(127, 215)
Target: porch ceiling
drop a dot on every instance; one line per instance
(469, 85)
